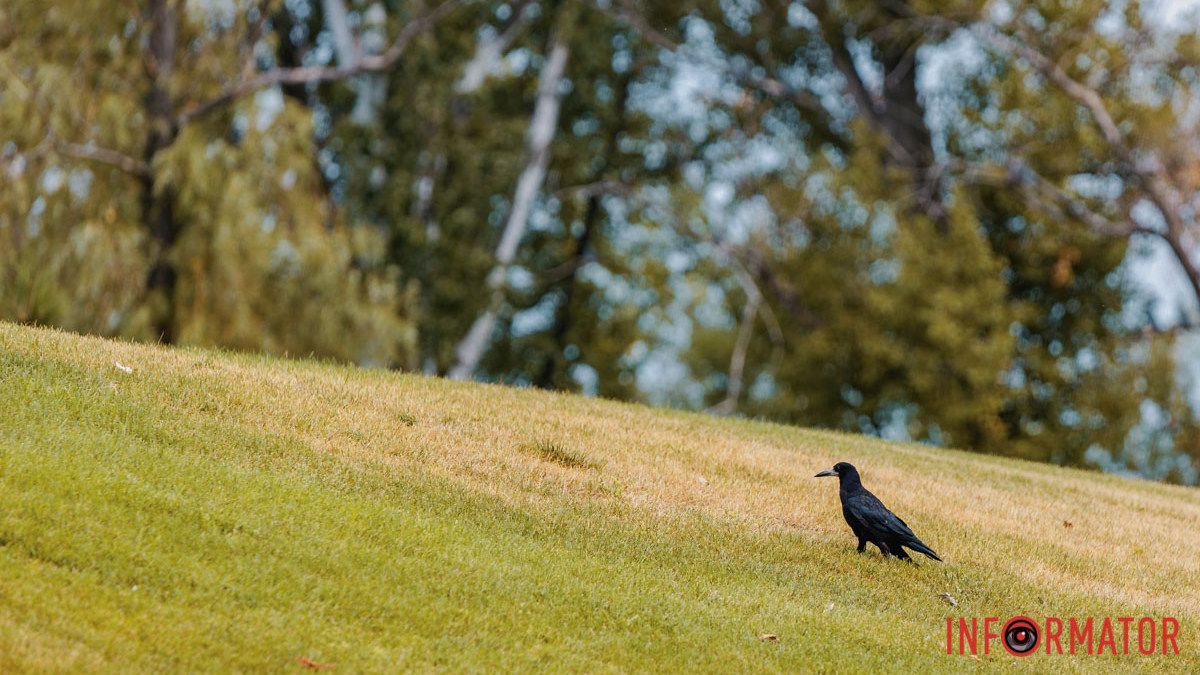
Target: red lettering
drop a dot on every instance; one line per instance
(1079, 633)
(1170, 632)
(1106, 638)
(1054, 627)
(1142, 646)
(968, 636)
(1125, 621)
(988, 635)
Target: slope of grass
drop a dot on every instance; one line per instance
(214, 512)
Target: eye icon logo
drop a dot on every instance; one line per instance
(1020, 636)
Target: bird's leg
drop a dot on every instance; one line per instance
(862, 545)
(883, 548)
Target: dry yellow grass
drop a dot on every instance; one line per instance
(1132, 547)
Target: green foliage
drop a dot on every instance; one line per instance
(258, 222)
(264, 260)
(999, 326)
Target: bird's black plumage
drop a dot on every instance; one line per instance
(871, 521)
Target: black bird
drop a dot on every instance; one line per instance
(870, 519)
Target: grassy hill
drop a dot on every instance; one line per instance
(206, 511)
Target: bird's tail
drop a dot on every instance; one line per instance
(920, 547)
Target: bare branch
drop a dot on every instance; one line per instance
(781, 289)
(752, 289)
(1053, 72)
(754, 271)
(1153, 328)
(1043, 194)
(835, 38)
(1149, 173)
(769, 86)
(597, 189)
(755, 308)
(737, 361)
(1174, 238)
(488, 55)
(310, 74)
(107, 156)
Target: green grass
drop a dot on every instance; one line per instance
(560, 454)
(214, 512)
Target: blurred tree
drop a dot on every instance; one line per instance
(493, 163)
(940, 284)
(1085, 138)
(227, 226)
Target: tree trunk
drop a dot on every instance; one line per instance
(157, 204)
(470, 350)
(369, 88)
(904, 118)
(489, 55)
(896, 111)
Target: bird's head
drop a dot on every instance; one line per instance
(843, 470)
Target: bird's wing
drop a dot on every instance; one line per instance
(883, 523)
(852, 518)
(874, 515)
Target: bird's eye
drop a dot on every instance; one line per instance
(1020, 636)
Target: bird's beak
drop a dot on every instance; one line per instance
(826, 472)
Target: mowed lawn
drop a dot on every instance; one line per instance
(217, 512)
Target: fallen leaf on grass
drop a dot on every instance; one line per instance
(769, 637)
(948, 598)
(1068, 524)
(122, 367)
(313, 665)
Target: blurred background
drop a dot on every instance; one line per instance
(963, 223)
